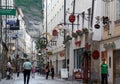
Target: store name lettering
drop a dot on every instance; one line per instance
(110, 45)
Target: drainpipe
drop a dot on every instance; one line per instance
(73, 13)
(92, 15)
(65, 32)
(46, 28)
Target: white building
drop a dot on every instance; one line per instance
(23, 41)
(55, 16)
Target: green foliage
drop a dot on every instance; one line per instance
(40, 44)
(28, 6)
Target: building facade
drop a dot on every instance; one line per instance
(74, 46)
(109, 45)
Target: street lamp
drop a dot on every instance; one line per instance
(39, 53)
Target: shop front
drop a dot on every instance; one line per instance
(110, 52)
(116, 66)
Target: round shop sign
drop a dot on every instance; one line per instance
(95, 54)
(72, 18)
(97, 26)
(54, 32)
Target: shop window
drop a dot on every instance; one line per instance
(78, 58)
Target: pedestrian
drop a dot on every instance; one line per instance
(8, 71)
(52, 72)
(18, 71)
(33, 71)
(104, 73)
(27, 68)
(47, 70)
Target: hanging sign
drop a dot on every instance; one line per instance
(72, 18)
(54, 32)
(97, 26)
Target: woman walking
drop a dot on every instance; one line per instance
(33, 71)
(47, 70)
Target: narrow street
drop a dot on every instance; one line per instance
(39, 79)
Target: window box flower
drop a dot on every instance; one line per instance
(85, 30)
(79, 32)
(78, 43)
(67, 39)
(74, 34)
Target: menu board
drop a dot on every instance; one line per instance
(64, 73)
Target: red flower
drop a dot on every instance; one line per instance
(78, 43)
(79, 32)
(74, 34)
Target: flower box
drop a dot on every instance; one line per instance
(79, 32)
(85, 30)
(74, 34)
(78, 43)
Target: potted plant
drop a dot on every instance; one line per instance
(85, 30)
(74, 35)
(79, 32)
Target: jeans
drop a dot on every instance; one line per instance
(26, 76)
(104, 79)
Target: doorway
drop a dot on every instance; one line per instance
(116, 66)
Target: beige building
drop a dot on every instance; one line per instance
(110, 43)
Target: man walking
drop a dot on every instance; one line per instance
(27, 68)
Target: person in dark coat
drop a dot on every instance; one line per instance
(52, 72)
(47, 70)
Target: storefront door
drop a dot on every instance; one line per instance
(116, 66)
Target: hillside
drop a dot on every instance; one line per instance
(32, 10)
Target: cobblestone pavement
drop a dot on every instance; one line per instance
(39, 79)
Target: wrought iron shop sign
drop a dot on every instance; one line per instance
(7, 11)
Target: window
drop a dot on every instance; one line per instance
(89, 17)
(78, 58)
(117, 9)
(83, 17)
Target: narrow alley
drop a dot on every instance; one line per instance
(39, 79)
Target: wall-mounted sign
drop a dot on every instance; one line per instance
(110, 45)
(7, 12)
(95, 54)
